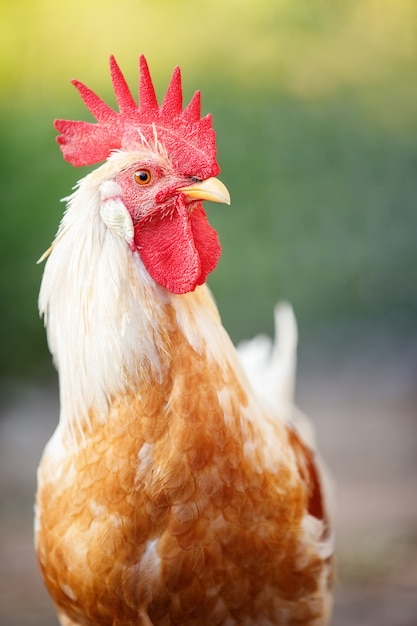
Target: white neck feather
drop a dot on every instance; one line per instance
(105, 315)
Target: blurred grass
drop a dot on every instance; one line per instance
(315, 108)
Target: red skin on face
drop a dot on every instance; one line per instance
(176, 243)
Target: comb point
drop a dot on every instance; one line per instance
(172, 104)
(147, 96)
(124, 98)
(97, 107)
(193, 110)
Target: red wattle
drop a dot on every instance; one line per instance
(206, 241)
(178, 250)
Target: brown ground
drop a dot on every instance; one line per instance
(363, 403)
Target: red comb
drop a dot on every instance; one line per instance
(189, 140)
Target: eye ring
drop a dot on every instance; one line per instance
(142, 177)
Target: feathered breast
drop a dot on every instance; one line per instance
(173, 507)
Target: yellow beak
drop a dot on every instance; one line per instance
(210, 189)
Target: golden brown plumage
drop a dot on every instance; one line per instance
(171, 492)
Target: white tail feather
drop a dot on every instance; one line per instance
(271, 365)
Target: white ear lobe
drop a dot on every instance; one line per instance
(114, 213)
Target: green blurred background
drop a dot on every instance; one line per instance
(315, 107)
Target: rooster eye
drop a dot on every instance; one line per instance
(142, 177)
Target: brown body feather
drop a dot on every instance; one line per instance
(160, 515)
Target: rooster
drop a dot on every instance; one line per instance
(177, 488)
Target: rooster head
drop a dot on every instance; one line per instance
(161, 165)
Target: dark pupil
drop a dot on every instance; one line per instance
(143, 176)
